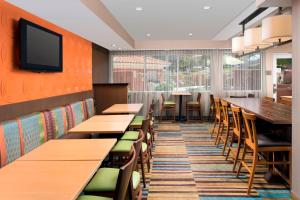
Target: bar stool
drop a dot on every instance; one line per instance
(261, 143)
(237, 133)
(167, 105)
(226, 123)
(212, 108)
(194, 106)
(218, 117)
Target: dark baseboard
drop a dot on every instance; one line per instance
(12, 111)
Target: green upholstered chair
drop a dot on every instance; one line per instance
(136, 123)
(167, 105)
(194, 106)
(112, 182)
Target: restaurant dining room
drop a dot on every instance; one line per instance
(157, 100)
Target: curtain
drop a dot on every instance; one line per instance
(153, 72)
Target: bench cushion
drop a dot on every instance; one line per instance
(10, 142)
(89, 107)
(75, 114)
(33, 131)
(56, 122)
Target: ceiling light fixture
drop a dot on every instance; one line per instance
(113, 45)
(148, 34)
(139, 8)
(206, 7)
(120, 48)
(190, 34)
(252, 39)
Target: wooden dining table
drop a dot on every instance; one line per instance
(272, 112)
(68, 150)
(103, 125)
(123, 109)
(45, 180)
(180, 95)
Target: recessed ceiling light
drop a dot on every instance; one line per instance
(206, 7)
(120, 48)
(139, 8)
(148, 34)
(190, 34)
(113, 45)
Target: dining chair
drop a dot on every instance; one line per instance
(227, 123)
(237, 134)
(212, 108)
(257, 144)
(234, 96)
(250, 95)
(167, 105)
(218, 117)
(112, 182)
(285, 102)
(194, 106)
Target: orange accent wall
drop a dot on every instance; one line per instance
(19, 85)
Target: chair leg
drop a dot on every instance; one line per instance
(230, 146)
(242, 160)
(237, 153)
(187, 114)
(226, 139)
(174, 111)
(252, 173)
(161, 112)
(143, 174)
(219, 133)
(213, 130)
(148, 164)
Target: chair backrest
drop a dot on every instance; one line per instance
(124, 178)
(268, 99)
(10, 142)
(199, 97)
(251, 137)
(145, 128)
(75, 114)
(56, 122)
(218, 107)
(89, 107)
(250, 95)
(138, 147)
(225, 109)
(237, 119)
(33, 131)
(234, 96)
(212, 100)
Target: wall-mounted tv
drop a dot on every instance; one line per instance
(40, 48)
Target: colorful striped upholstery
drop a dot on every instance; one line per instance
(10, 143)
(69, 116)
(33, 131)
(59, 121)
(75, 114)
(89, 107)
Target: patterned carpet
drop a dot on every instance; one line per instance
(187, 165)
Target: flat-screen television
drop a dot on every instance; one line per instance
(40, 48)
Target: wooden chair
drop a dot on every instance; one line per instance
(258, 144)
(112, 182)
(218, 117)
(226, 123)
(167, 105)
(250, 95)
(285, 101)
(212, 108)
(234, 96)
(237, 133)
(194, 106)
(271, 99)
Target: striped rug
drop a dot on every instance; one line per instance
(187, 165)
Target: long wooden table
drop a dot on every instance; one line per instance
(68, 150)
(123, 109)
(274, 113)
(45, 180)
(104, 125)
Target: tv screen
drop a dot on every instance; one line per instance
(41, 48)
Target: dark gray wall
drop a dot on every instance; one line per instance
(100, 64)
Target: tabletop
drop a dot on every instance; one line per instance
(274, 113)
(47, 180)
(181, 94)
(75, 149)
(123, 108)
(111, 118)
(100, 127)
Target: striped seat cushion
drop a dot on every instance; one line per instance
(75, 114)
(33, 131)
(89, 107)
(10, 142)
(56, 122)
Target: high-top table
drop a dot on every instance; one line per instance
(180, 94)
(45, 180)
(110, 124)
(274, 113)
(68, 150)
(124, 109)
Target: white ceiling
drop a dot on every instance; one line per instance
(174, 19)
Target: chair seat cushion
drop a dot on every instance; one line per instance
(148, 136)
(91, 197)
(130, 135)
(136, 123)
(169, 103)
(194, 103)
(105, 180)
(265, 141)
(75, 136)
(122, 146)
(139, 118)
(144, 147)
(136, 179)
